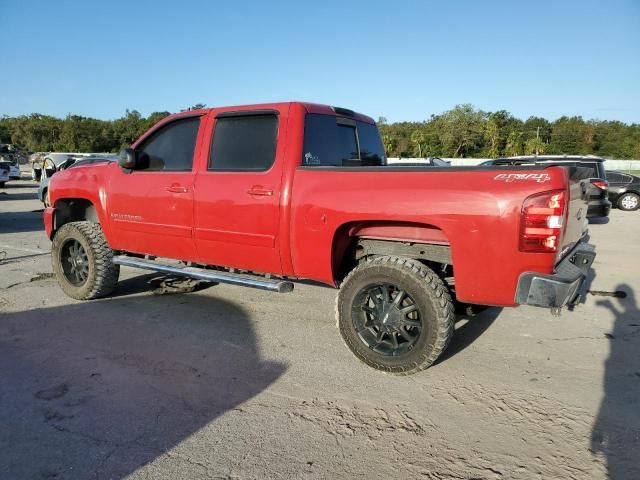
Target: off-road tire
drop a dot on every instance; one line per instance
(428, 291)
(628, 195)
(103, 273)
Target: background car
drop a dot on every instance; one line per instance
(53, 160)
(49, 168)
(599, 204)
(10, 155)
(624, 190)
(35, 159)
(4, 174)
(14, 169)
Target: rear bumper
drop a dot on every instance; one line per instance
(563, 288)
(48, 220)
(599, 208)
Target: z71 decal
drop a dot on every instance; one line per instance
(533, 177)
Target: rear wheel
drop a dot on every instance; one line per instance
(83, 261)
(45, 198)
(395, 314)
(629, 201)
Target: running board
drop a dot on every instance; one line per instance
(280, 286)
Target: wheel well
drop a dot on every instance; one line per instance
(356, 241)
(74, 210)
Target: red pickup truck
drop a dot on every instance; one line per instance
(262, 195)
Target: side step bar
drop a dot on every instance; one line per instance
(280, 286)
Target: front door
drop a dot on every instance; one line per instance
(151, 207)
(237, 196)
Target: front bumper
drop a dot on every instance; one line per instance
(563, 288)
(48, 221)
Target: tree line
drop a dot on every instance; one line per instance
(463, 131)
(44, 133)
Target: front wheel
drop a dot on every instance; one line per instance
(83, 261)
(629, 202)
(395, 314)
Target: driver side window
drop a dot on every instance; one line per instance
(170, 148)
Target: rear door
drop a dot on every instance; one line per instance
(151, 207)
(618, 183)
(238, 194)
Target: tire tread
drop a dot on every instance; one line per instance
(434, 287)
(106, 272)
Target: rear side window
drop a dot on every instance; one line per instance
(244, 143)
(615, 177)
(371, 148)
(339, 142)
(597, 169)
(170, 148)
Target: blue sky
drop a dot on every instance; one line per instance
(404, 60)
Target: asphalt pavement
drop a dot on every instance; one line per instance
(235, 383)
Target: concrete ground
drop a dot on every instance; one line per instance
(235, 383)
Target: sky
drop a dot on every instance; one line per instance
(404, 60)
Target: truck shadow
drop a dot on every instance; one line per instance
(616, 432)
(15, 222)
(468, 330)
(99, 389)
(8, 196)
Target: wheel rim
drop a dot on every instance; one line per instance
(387, 319)
(75, 263)
(629, 202)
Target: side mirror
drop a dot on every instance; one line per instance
(127, 158)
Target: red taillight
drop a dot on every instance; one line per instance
(541, 221)
(601, 184)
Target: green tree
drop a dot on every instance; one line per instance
(419, 139)
(460, 130)
(390, 143)
(535, 145)
(514, 145)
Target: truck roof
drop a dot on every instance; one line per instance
(308, 106)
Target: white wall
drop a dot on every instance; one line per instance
(620, 165)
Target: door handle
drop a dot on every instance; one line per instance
(177, 189)
(259, 190)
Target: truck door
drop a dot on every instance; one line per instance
(151, 207)
(238, 194)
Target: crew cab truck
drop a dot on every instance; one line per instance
(262, 195)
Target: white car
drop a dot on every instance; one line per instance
(14, 169)
(51, 161)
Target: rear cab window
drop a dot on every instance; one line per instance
(336, 141)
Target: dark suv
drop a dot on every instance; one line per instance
(599, 204)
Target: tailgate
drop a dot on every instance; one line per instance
(576, 221)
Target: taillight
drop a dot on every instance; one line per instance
(541, 221)
(601, 184)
